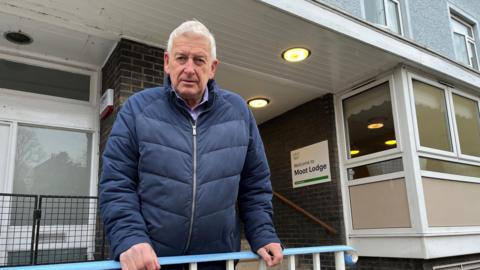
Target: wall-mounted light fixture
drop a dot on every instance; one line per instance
(296, 54)
(258, 102)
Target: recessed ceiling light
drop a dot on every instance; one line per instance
(296, 54)
(258, 102)
(354, 152)
(375, 123)
(18, 37)
(391, 142)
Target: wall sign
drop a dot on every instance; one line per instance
(310, 165)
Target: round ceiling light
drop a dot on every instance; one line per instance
(258, 102)
(18, 37)
(296, 54)
(391, 142)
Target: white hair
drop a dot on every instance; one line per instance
(196, 27)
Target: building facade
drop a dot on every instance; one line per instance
(391, 86)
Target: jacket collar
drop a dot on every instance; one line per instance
(211, 87)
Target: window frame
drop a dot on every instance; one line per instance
(388, 16)
(457, 135)
(461, 18)
(377, 156)
(423, 151)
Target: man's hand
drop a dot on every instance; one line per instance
(271, 253)
(139, 257)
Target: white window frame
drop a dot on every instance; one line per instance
(455, 155)
(462, 18)
(457, 136)
(377, 156)
(424, 149)
(388, 17)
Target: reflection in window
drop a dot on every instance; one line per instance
(432, 118)
(377, 168)
(468, 125)
(53, 162)
(369, 121)
(436, 165)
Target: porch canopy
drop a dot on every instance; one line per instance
(250, 34)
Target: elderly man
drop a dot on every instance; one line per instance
(178, 161)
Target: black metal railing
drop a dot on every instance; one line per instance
(49, 229)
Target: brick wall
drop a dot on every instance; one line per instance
(131, 67)
(307, 124)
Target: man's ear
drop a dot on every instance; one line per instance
(166, 58)
(213, 68)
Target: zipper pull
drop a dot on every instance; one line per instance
(194, 127)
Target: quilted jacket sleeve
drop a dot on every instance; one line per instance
(255, 193)
(118, 199)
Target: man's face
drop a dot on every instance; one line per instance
(190, 66)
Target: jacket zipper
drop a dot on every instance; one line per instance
(194, 133)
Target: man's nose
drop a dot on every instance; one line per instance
(189, 66)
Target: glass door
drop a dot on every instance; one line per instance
(52, 166)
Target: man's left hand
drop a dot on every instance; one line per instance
(271, 253)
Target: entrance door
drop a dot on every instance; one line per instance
(55, 164)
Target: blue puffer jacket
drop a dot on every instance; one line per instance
(174, 183)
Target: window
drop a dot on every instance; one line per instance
(464, 41)
(468, 124)
(432, 119)
(384, 12)
(369, 121)
(45, 81)
(448, 120)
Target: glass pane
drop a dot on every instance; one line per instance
(459, 27)
(375, 11)
(39, 80)
(460, 47)
(373, 169)
(394, 17)
(468, 125)
(435, 165)
(432, 118)
(52, 162)
(473, 55)
(369, 121)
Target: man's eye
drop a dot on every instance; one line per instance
(200, 61)
(181, 59)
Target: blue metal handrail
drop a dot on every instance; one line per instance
(189, 259)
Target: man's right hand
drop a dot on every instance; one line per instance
(139, 257)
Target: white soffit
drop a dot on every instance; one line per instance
(412, 54)
(250, 37)
(55, 41)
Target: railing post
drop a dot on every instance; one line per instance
(291, 262)
(339, 260)
(192, 266)
(230, 265)
(262, 265)
(316, 261)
